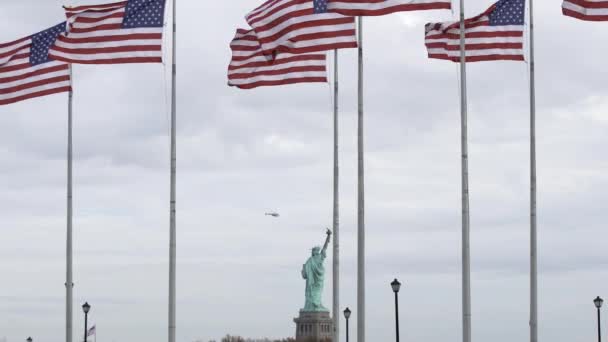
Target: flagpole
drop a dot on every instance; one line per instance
(533, 218)
(466, 252)
(336, 212)
(361, 202)
(172, 209)
(69, 282)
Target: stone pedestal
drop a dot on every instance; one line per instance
(314, 327)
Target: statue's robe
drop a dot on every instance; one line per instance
(314, 273)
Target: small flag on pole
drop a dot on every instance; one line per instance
(249, 68)
(92, 331)
(384, 7)
(590, 10)
(496, 34)
(27, 72)
(301, 26)
(123, 32)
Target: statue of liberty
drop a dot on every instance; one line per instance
(314, 273)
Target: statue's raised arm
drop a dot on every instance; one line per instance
(326, 241)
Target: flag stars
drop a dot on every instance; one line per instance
(42, 42)
(144, 13)
(320, 6)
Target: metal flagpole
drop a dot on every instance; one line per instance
(69, 282)
(336, 218)
(533, 219)
(172, 223)
(466, 251)
(361, 203)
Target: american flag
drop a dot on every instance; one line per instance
(590, 10)
(27, 72)
(496, 34)
(383, 7)
(249, 68)
(122, 32)
(301, 26)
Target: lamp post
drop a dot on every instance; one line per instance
(347, 313)
(396, 285)
(86, 307)
(598, 304)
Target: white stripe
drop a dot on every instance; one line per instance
(456, 42)
(34, 90)
(278, 67)
(101, 45)
(119, 32)
(310, 43)
(98, 56)
(337, 4)
(584, 10)
(34, 79)
(95, 15)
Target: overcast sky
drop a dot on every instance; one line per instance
(243, 153)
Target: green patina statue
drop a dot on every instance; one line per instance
(314, 273)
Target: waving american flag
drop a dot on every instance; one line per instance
(496, 34)
(122, 32)
(26, 71)
(250, 68)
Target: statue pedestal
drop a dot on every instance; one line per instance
(314, 327)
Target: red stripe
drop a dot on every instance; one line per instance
(276, 72)
(37, 94)
(115, 49)
(33, 73)
(393, 9)
(126, 60)
(292, 59)
(35, 84)
(283, 82)
(479, 58)
(585, 17)
(473, 47)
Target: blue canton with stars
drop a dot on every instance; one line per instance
(42, 42)
(144, 13)
(508, 12)
(320, 6)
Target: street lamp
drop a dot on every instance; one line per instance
(598, 304)
(396, 285)
(347, 316)
(86, 307)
